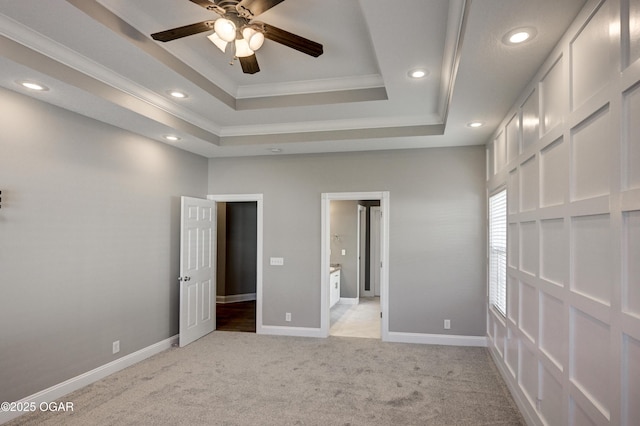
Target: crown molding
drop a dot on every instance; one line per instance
(310, 86)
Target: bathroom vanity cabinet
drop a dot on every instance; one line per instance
(334, 286)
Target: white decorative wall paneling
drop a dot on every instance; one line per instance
(569, 155)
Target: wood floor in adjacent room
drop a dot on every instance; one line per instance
(239, 316)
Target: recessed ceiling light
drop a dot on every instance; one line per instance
(418, 73)
(172, 138)
(178, 94)
(519, 35)
(475, 124)
(33, 86)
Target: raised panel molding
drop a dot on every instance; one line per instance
(591, 63)
(552, 335)
(513, 138)
(529, 247)
(570, 346)
(630, 381)
(591, 153)
(591, 248)
(528, 309)
(554, 251)
(633, 32)
(529, 185)
(631, 256)
(530, 121)
(631, 134)
(550, 397)
(552, 105)
(554, 179)
(589, 367)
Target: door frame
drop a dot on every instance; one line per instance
(362, 221)
(325, 257)
(374, 251)
(258, 198)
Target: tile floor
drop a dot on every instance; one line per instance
(361, 320)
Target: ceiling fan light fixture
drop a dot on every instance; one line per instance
(225, 29)
(254, 38)
(220, 43)
(242, 48)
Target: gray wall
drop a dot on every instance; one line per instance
(344, 224)
(437, 230)
(89, 242)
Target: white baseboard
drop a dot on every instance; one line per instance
(348, 301)
(437, 339)
(234, 298)
(61, 389)
(290, 331)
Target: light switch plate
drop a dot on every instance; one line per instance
(276, 261)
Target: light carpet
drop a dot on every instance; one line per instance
(230, 378)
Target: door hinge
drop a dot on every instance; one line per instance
(380, 314)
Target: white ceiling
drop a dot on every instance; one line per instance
(96, 58)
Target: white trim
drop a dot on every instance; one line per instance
(349, 301)
(310, 86)
(325, 243)
(259, 199)
(276, 330)
(61, 389)
(234, 298)
(437, 339)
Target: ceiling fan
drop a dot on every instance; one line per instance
(236, 26)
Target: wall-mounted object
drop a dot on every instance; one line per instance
(0, 199)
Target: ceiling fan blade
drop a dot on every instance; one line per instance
(249, 64)
(208, 5)
(256, 7)
(185, 31)
(291, 40)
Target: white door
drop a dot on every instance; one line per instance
(197, 269)
(376, 261)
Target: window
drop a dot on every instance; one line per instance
(498, 251)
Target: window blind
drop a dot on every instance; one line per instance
(498, 251)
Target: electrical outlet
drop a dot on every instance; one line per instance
(344, 252)
(447, 324)
(287, 316)
(116, 347)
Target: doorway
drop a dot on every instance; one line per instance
(239, 260)
(332, 241)
(236, 271)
